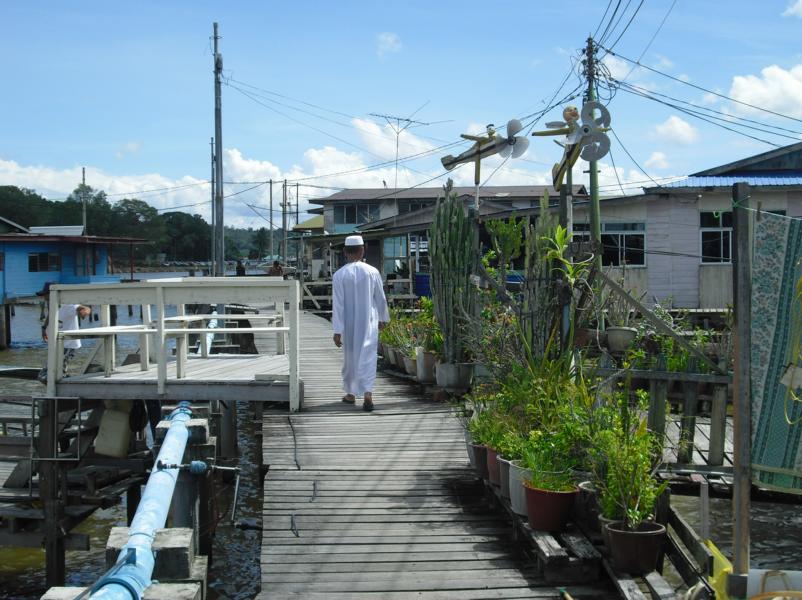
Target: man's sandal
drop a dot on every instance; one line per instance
(349, 399)
(367, 405)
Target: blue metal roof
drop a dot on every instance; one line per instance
(722, 181)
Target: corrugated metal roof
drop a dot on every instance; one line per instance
(721, 181)
(432, 193)
(58, 230)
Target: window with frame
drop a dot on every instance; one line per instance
(44, 261)
(716, 236)
(395, 255)
(356, 214)
(623, 244)
(408, 207)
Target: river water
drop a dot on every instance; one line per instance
(235, 573)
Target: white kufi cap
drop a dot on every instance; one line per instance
(354, 240)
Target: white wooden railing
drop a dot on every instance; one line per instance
(156, 295)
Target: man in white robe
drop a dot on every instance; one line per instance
(359, 311)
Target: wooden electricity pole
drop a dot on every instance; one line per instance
(595, 212)
(742, 396)
(220, 253)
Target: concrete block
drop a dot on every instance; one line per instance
(62, 593)
(198, 431)
(173, 591)
(174, 549)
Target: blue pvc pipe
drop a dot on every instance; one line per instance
(134, 574)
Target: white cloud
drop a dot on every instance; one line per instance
(387, 43)
(618, 67)
(676, 130)
(711, 98)
(684, 77)
(663, 62)
(656, 161)
(776, 89)
(127, 148)
(794, 9)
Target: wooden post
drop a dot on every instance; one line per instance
(49, 490)
(107, 341)
(294, 345)
(54, 361)
(180, 346)
(144, 340)
(688, 423)
(161, 344)
(5, 327)
(742, 397)
(718, 423)
(658, 394)
(206, 517)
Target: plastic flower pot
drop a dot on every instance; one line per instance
(586, 507)
(454, 376)
(480, 454)
(504, 476)
(619, 339)
(410, 366)
(517, 492)
(493, 475)
(548, 510)
(469, 448)
(425, 363)
(635, 552)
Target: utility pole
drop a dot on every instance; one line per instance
(214, 179)
(271, 221)
(220, 255)
(83, 196)
(595, 213)
(284, 223)
(297, 233)
(742, 396)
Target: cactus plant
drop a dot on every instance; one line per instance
(452, 243)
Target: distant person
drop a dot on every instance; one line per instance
(69, 316)
(276, 270)
(359, 312)
(240, 269)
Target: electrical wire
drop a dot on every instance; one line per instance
(700, 88)
(616, 174)
(632, 158)
(606, 10)
(164, 189)
(171, 208)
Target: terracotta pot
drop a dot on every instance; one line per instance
(426, 362)
(517, 492)
(504, 476)
(635, 552)
(480, 454)
(469, 447)
(619, 339)
(493, 475)
(548, 510)
(454, 376)
(410, 366)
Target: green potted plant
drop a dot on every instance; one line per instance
(550, 489)
(511, 448)
(452, 242)
(629, 489)
(430, 342)
(620, 334)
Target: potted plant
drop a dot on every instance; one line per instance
(630, 489)
(487, 428)
(452, 241)
(510, 447)
(550, 488)
(430, 342)
(619, 313)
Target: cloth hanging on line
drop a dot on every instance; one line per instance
(776, 346)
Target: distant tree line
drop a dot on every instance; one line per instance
(178, 235)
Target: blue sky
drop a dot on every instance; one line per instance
(125, 89)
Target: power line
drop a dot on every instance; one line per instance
(700, 88)
(183, 206)
(632, 18)
(728, 117)
(606, 10)
(711, 119)
(632, 158)
(659, 28)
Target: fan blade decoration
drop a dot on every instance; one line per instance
(588, 139)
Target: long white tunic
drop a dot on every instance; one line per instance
(358, 306)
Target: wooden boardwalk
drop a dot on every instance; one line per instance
(381, 505)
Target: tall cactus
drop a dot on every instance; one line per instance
(452, 238)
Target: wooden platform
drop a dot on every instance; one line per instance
(382, 505)
(219, 377)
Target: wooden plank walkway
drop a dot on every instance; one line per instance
(381, 505)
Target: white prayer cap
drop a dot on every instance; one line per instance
(354, 240)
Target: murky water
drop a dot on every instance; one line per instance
(234, 573)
